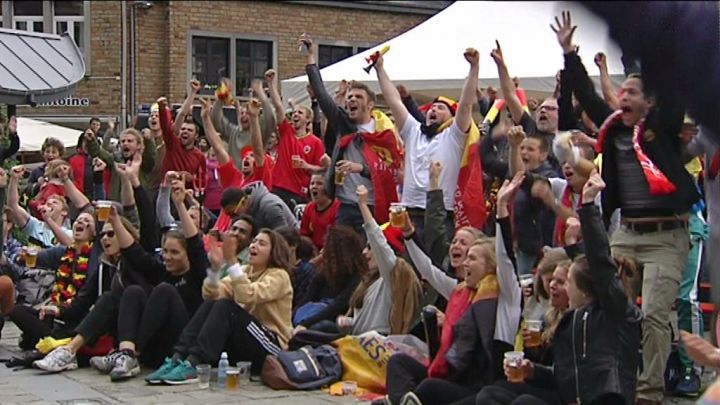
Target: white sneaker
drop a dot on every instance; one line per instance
(58, 360)
(410, 399)
(105, 364)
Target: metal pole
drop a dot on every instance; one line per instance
(123, 67)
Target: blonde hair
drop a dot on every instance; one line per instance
(553, 315)
(550, 260)
(488, 246)
(138, 136)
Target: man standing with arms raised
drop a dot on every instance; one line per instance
(366, 152)
(441, 137)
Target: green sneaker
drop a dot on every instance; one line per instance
(183, 373)
(157, 376)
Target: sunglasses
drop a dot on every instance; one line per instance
(109, 234)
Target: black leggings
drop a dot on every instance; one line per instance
(222, 325)
(405, 374)
(33, 329)
(506, 393)
(152, 322)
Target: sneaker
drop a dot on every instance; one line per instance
(689, 384)
(58, 360)
(410, 399)
(183, 373)
(381, 401)
(157, 376)
(105, 364)
(126, 366)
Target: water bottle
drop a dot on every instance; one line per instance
(223, 365)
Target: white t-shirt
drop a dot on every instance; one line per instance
(40, 231)
(446, 147)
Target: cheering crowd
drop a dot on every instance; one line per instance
(578, 218)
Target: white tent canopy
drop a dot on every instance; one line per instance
(429, 60)
(32, 134)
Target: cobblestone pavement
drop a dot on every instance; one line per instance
(86, 386)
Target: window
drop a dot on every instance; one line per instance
(210, 60)
(253, 59)
(69, 16)
(28, 16)
(240, 58)
(329, 54)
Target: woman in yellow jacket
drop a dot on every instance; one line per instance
(246, 314)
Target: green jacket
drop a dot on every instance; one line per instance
(148, 163)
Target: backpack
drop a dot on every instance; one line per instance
(34, 286)
(305, 369)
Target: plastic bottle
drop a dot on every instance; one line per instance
(223, 365)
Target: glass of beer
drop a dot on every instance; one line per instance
(339, 177)
(31, 257)
(233, 377)
(533, 337)
(296, 161)
(397, 215)
(103, 210)
(513, 361)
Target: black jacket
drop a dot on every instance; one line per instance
(595, 348)
(663, 148)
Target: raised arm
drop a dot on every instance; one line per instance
(76, 197)
(515, 137)
(391, 94)
(603, 271)
(227, 129)
(383, 254)
(463, 117)
(506, 85)
(510, 300)
(94, 150)
(186, 107)
(20, 216)
(109, 134)
(162, 206)
(178, 196)
(57, 230)
(326, 101)
(436, 243)
(125, 239)
(606, 85)
(271, 78)
(171, 140)
(582, 86)
(256, 141)
(211, 134)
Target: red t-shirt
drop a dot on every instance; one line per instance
(310, 148)
(314, 224)
(48, 190)
(231, 176)
(177, 158)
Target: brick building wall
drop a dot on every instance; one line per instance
(162, 43)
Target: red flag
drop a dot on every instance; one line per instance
(470, 209)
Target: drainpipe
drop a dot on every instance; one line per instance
(123, 67)
(133, 60)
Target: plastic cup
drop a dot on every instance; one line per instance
(397, 219)
(349, 387)
(203, 373)
(233, 379)
(31, 257)
(339, 177)
(244, 368)
(526, 280)
(103, 210)
(296, 161)
(514, 361)
(534, 335)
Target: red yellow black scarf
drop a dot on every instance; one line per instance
(71, 273)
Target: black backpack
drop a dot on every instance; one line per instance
(305, 369)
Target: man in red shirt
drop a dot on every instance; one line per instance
(320, 213)
(181, 155)
(299, 152)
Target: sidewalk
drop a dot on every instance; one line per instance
(86, 386)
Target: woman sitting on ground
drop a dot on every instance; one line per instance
(328, 295)
(389, 295)
(480, 323)
(603, 368)
(246, 314)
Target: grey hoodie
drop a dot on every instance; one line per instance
(268, 210)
